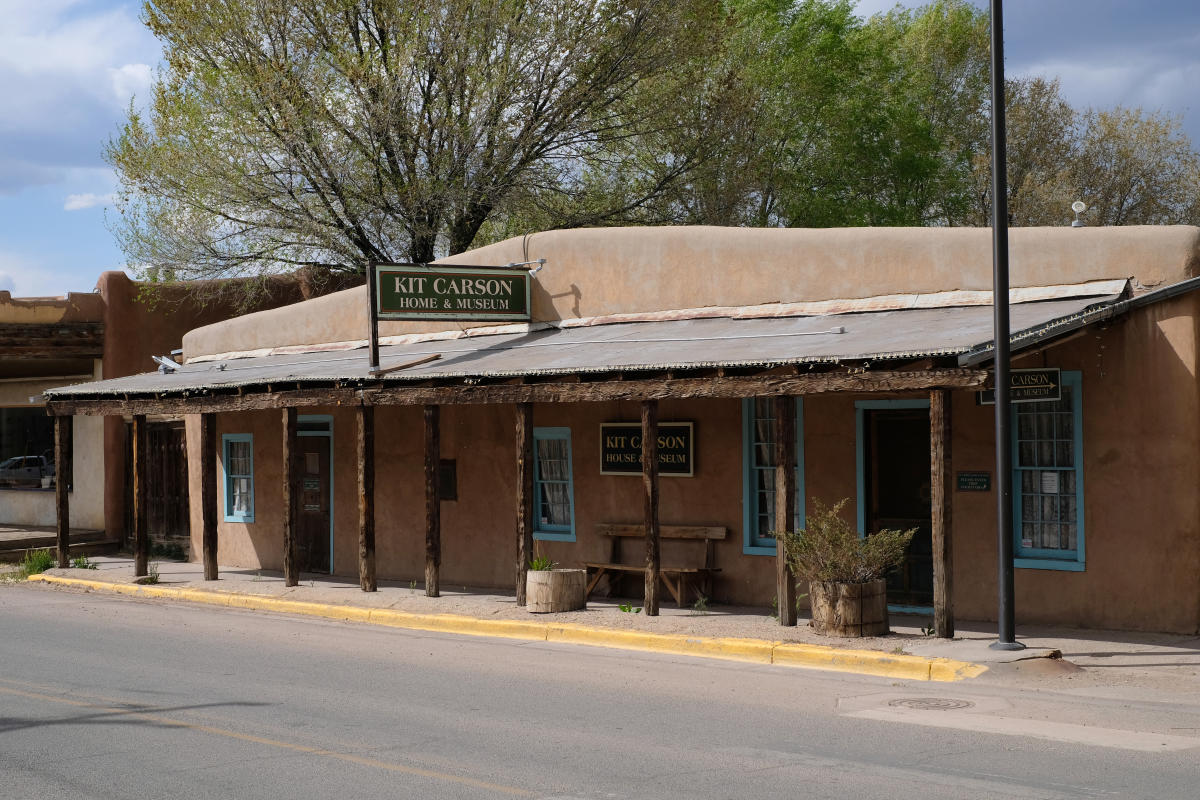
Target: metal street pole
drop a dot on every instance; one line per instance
(1006, 638)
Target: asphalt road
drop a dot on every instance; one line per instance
(107, 697)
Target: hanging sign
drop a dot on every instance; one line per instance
(621, 448)
(1027, 386)
(419, 291)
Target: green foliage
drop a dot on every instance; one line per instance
(628, 608)
(36, 562)
(171, 550)
(151, 576)
(830, 549)
(541, 563)
(323, 134)
(82, 562)
(701, 604)
(283, 133)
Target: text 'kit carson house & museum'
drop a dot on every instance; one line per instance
(782, 363)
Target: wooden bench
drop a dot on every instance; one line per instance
(690, 573)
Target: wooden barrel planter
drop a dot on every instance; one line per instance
(555, 590)
(849, 609)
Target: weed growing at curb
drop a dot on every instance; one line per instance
(151, 574)
(629, 609)
(36, 562)
(701, 605)
(82, 562)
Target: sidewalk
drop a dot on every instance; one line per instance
(1092, 661)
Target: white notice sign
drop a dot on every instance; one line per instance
(1049, 482)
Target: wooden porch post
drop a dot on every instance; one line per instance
(650, 483)
(208, 494)
(366, 499)
(62, 474)
(291, 564)
(785, 504)
(525, 456)
(141, 539)
(433, 510)
(943, 553)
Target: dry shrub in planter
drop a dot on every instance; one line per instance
(844, 571)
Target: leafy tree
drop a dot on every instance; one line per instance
(333, 132)
(1133, 168)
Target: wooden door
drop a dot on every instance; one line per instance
(167, 481)
(313, 539)
(898, 495)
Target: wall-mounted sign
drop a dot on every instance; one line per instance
(621, 448)
(974, 481)
(417, 291)
(1027, 386)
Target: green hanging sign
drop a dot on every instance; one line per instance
(418, 291)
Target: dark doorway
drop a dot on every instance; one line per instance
(167, 481)
(313, 541)
(897, 494)
(166, 473)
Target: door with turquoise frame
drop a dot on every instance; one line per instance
(894, 490)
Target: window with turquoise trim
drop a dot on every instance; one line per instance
(759, 434)
(553, 492)
(1048, 480)
(238, 458)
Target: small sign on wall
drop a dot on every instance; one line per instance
(621, 448)
(974, 481)
(1027, 386)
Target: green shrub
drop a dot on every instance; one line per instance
(37, 561)
(540, 563)
(171, 550)
(82, 562)
(830, 549)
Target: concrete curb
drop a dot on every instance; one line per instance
(756, 651)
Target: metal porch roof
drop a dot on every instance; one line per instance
(625, 347)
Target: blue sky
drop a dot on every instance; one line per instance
(68, 69)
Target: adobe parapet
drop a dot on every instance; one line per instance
(598, 272)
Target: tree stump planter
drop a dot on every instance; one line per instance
(849, 609)
(555, 590)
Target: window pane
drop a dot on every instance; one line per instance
(241, 495)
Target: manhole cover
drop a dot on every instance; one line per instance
(931, 703)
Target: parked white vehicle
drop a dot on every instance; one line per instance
(25, 470)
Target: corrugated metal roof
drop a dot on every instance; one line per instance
(628, 347)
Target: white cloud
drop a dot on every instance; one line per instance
(130, 80)
(68, 68)
(24, 277)
(77, 202)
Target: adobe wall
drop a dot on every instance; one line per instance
(1141, 449)
(602, 271)
(137, 328)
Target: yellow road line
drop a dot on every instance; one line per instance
(147, 714)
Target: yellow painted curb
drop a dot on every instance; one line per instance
(757, 651)
(752, 650)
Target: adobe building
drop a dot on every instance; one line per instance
(768, 368)
(114, 331)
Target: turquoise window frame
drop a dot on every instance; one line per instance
(227, 477)
(752, 544)
(1036, 558)
(553, 533)
(327, 421)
